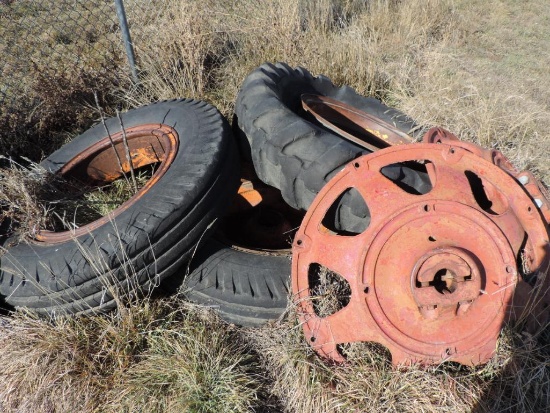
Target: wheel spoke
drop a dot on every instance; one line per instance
(337, 253)
(382, 196)
(450, 184)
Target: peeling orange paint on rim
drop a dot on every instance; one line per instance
(148, 144)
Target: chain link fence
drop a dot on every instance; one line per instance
(53, 54)
(55, 37)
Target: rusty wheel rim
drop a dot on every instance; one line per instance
(353, 124)
(433, 275)
(106, 161)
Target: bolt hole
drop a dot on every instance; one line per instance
(356, 164)
(312, 339)
(427, 208)
(510, 270)
(299, 242)
(448, 351)
(431, 239)
(452, 150)
(366, 290)
(529, 209)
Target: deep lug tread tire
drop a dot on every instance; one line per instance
(291, 152)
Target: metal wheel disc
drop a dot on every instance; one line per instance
(433, 275)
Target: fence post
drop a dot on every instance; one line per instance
(126, 38)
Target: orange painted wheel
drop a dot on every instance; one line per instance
(432, 275)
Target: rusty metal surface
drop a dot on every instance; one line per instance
(99, 165)
(357, 126)
(252, 193)
(433, 276)
(525, 178)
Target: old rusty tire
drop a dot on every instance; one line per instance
(433, 275)
(243, 271)
(147, 237)
(290, 149)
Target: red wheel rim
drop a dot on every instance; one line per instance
(99, 164)
(414, 245)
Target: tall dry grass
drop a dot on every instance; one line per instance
(207, 48)
(57, 55)
(153, 357)
(475, 67)
(517, 379)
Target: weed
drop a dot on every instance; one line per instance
(191, 364)
(329, 291)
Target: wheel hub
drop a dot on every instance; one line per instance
(445, 283)
(433, 275)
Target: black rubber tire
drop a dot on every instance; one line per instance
(246, 287)
(148, 241)
(243, 271)
(293, 152)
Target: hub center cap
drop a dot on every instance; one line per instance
(445, 282)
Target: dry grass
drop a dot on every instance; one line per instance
(209, 47)
(153, 357)
(33, 199)
(21, 189)
(476, 67)
(517, 379)
(328, 291)
(170, 356)
(486, 84)
(55, 55)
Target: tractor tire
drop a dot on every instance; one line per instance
(292, 151)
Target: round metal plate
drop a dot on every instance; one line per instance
(433, 275)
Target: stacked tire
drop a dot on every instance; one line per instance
(295, 154)
(243, 270)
